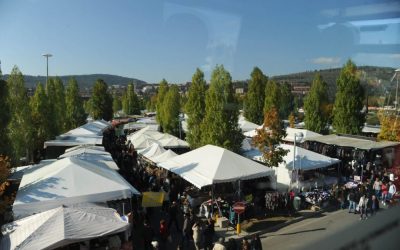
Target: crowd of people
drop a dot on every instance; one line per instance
(180, 226)
(367, 197)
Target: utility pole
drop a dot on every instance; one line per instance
(47, 66)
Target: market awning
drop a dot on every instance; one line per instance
(212, 164)
(346, 141)
(68, 181)
(62, 226)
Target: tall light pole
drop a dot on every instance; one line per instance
(396, 74)
(47, 66)
(297, 136)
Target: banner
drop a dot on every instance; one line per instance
(152, 199)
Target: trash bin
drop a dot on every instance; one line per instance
(296, 203)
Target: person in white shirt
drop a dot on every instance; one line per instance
(362, 204)
(392, 190)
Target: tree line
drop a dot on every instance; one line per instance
(27, 122)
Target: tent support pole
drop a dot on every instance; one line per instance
(212, 200)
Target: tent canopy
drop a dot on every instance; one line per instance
(62, 226)
(211, 164)
(146, 136)
(154, 150)
(69, 181)
(292, 131)
(305, 159)
(163, 157)
(346, 141)
(95, 128)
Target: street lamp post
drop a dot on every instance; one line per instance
(297, 136)
(47, 66)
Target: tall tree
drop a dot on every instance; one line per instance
(348, 118)
(390, 126)
(220, 124)
(40, 120)
(254, 102)
(286, 103)
(130, 101)
(59, 104)
(51, 92)
(75, 115)
(19, 127)
(171, 110)
(101, 101)
(5, 119)
(161, 92)
(269, 137)
(117, 103)
(195, 108)
(315, 106)
(272, 95)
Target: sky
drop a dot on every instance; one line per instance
(151, 40)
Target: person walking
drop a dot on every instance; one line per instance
(392, 190)
(173, 216)
(352, 201)
(374, 205)
(377, 187)
(362, 204)
(197, 230)
(384, 191)
(219, 245)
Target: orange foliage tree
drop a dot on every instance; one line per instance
(269, 137)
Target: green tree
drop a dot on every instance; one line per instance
(348, 118)
(51, 90)
(151, 103)
(390, 126)
(171, 110)
(269, 137)
(220, 124)
(75, 115)
(19, 127)
(272, 95)
(315, 103)
(130, 101)
(5, 119)
(254, 102)
(286, 104)
(101, 101)
(117, 103)
(195, 108)
(59, 104)
(40, 120)
(161, 92)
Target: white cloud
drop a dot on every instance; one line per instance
(326, 60)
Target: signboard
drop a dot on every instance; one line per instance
(239, 207)
(152, 199)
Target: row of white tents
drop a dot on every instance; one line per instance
(62, 201)
(211, 164)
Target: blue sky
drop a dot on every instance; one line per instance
(151, 40)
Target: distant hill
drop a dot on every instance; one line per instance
(85, 81)
(370, 78)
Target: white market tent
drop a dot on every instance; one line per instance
(98, 148)
(210, 164)
(146, 137)
(305, 160)
(154, 150)
(247, 126)
(62, 226)
(173, 142)
(164, 156)
(306, 134)
(83, 150)
(69, 181)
